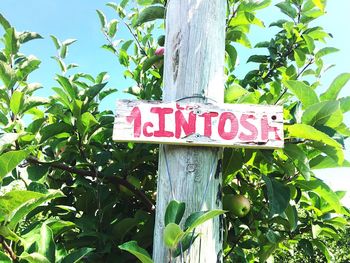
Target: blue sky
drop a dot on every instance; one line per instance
(77, 19)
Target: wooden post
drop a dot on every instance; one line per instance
(193, 65)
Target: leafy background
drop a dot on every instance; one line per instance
(69, 192)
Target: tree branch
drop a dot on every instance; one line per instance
(114, 180)
(299, 74)
(7, 248)
(236, 241)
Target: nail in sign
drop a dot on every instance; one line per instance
(201, 124)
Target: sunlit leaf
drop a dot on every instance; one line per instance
(133, 248)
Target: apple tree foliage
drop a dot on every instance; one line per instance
(69, 193)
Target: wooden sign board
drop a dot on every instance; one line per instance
(199, 124)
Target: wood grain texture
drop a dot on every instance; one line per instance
(194, 64)
(262, 119)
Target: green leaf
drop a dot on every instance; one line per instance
(299, 158)
(323, 190)
(144, 2)
(93, 91)
(172, 235)
(123, 3)
(88, 120)
(278, 195)
(26, 67)
(63, 52)
(186, 241)
(69, 41)
(54, 129)
(299, 57)
(67, 86)
(28, 36)
(292, 215)
(16, 101)
(336, 86)
(133, 248)
(4, 23)
(239, 37)
(306, 247)
(8, 139)
(23, 210)
(245, 18)
(77, 255)
(252, 5)
(310, 133)
(112, 28)
(258, 59)
(149, 62)
(121, 228)
(34, 258)
(232, 53)
(61, 63)
(11, 42)
(174, 212)
(7, 75)
(310, 43)
(102, 76)
(150, 13)
(3, 119)
(234, 92)
(63, 97)
(9, 161)
(198, 218)
(3, 257)
(321, 4)
(303, 92)
(12, 200)
(287, 9)
(102, 17)
(33, 102)
(279, 23)
(320, 113)
(7, 233)
(56, 42)
(322, 162)
(325, 51)
(47, 246)
(123, 58)
(330, 151)
(345, 104)
(323, 248)
(59, 226)
(266, 251)
(126, 45)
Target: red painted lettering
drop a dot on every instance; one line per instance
(266, 129)
(250, 127)
(135, 116)
(161, 118)
(144, 130)
(207, 122)
(189, 127)
(234, 126)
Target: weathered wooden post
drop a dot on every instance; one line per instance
(193, 113)
(193, 65)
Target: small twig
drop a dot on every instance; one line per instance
(306, 66)
(114, 180)
(7, 248)
(115, 52)
(241, 235)
(135, 37)
(234, 12)
(299, 74)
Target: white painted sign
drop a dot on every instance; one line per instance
(200, 124)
